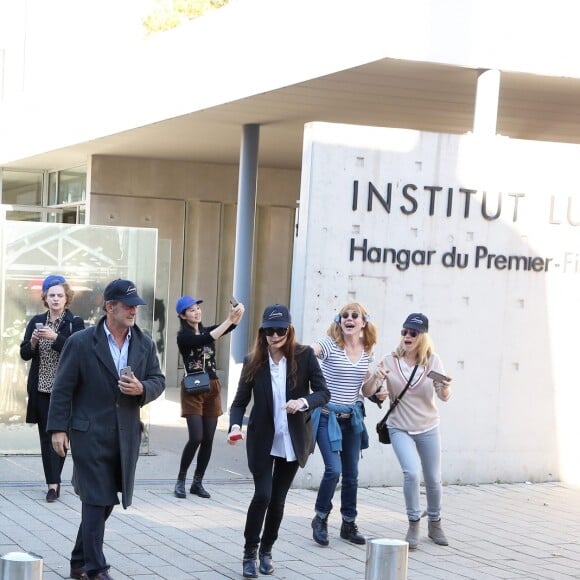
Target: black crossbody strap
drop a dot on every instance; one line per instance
(398, 399)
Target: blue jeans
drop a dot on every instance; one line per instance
(336, 463)
(416, 452)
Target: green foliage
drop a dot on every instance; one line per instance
(169, 14)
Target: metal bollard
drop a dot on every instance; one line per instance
(20, 566)
(386, 559)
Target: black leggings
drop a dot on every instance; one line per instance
(201, 433)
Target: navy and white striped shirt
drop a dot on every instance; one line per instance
(343, 377)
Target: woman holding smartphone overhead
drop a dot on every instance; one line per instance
(44, 338)
(414, 422)
(196, 344)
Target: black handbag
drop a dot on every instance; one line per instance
(198, 382)
(382, 429)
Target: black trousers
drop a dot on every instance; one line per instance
(270, 491)
(88, 550)
(52, 462)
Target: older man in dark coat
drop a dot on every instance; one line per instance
(105, 375)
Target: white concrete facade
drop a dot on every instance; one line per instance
(481, 235)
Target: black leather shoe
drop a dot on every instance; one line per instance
(349, 531)
(266, 563)
(180, 489)
(51, 495)
(249, 566)
(79, 574)
(320, 530)
(198, 489)
(102, 576)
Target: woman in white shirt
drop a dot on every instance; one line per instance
(286, 383)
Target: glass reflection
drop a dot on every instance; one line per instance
(88, 257)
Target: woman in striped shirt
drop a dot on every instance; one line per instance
(345, 356)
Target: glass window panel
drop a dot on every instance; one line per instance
(23, 216)
(72, 185)
(89, 257)
(52, 188)
(21, 187)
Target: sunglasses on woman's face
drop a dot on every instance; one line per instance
(407, 331)
(273, 331)
(354, 315)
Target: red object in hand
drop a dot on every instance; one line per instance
(236, 436)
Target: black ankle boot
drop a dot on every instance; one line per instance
(349, 531)
(198, 489)
(266, 562)
(249, 563)
(320, 530)
(180, 488)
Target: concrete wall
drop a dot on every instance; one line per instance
(504, 326)
(196, 212)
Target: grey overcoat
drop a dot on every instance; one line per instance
(104, 426)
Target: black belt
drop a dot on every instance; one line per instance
(338, 415)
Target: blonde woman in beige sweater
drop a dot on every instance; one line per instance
(414, 423)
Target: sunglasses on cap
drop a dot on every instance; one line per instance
(280, 331)
(408, 331)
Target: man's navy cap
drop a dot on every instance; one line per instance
(51, 281)
(276, 316)
(417, 321)
(185, 302)
(124, 291)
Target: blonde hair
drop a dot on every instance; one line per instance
(424, 348)
(369, 332)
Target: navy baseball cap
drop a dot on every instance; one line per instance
(51, 281)
(185, 302)
(124, 291)
(417, 321)
(276, 316)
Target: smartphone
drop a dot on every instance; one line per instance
(233, 301)
(126, 371)
(39, 325)
(438, 376)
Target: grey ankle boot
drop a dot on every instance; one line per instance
(435, 532)
(412, 536)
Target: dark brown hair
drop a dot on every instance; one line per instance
(259, 356)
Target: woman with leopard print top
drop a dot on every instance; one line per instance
(44, 338)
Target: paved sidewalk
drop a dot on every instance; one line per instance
(499, 531)
(495, 531)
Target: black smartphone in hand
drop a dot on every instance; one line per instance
(438, 377)
(233, 301)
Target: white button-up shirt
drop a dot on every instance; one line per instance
(282, 446)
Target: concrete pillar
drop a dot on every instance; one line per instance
(243, 256)
(486, 102)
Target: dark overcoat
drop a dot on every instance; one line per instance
(104, 425)
(310, 385)
(69, 324)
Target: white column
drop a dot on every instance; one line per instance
(486, 102)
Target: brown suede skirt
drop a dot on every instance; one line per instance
(207, 404)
